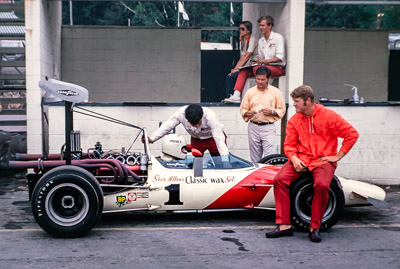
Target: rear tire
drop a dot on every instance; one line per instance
(301, 195)
(67, 202)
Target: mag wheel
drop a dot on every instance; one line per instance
(274, 159)
(301, 195)
(67, 202)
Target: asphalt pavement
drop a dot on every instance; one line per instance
(366, 237)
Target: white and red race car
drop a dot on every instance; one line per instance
(70, 195)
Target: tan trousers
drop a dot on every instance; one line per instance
(261, 140)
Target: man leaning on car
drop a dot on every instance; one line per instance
(202, 125)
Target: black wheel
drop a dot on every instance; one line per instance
(301, 195)
(274, 159)
(67, 201)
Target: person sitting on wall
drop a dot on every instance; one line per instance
(271, 53)
(248, 54)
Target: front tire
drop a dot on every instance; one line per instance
(67, 202)
(301, 195)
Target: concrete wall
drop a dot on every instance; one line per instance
(376, 155)
(43, 50)
(357, 57)
(374, 158)
(122, 64)
(128, 64)
(114, 69)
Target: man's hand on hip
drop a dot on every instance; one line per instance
(333, 158)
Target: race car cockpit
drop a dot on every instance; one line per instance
(209, 162)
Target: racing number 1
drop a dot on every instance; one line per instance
(173, 191)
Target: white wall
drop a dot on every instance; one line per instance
(376, 155)
(133, 64)
(43, 50)
(374, 158)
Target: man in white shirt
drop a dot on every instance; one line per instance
(271, 53)
(202, 125)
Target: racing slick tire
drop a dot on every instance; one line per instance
(274, 159)
(67, 202)
(301, 194)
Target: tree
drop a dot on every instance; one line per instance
(157, 14)
(352, 16)
(147, 13)
(217, 14)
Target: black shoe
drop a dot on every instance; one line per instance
(278, 233)
(314, 236)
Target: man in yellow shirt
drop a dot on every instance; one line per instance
(261, 106)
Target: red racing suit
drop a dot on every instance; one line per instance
(311, 137)
(317, 135)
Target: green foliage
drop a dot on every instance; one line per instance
(147, 13)
(217, 14)
(352, 16)
(156, 14)
(391, 19)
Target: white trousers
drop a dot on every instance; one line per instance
(261, 140)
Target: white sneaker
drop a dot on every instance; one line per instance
(232, 99)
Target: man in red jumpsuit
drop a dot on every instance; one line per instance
(311, 146)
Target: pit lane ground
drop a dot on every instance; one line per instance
(366, 237)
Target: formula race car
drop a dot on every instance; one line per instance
(70, 191)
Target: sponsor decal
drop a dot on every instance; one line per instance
(133, 196)
(121, 200)
(68, 92)
(195, 180)
(143, 195)
(169, 179)
(174, 164)
(202, 180)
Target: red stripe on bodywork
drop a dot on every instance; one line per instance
(240, 197)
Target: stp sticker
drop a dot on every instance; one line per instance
(132, 196)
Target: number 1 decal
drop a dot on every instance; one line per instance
(174, 194)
